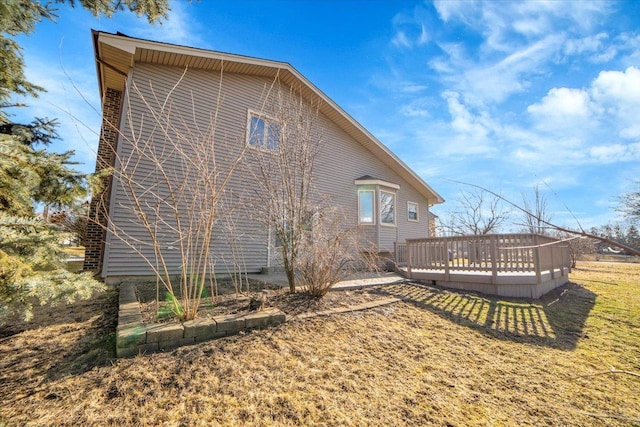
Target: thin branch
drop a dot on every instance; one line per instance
(557, 227)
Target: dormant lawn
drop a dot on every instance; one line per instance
(438, 358)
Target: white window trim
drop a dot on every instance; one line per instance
(373, 208)
(377, 182)
(265, 117)
(395, 210)
(417, 211)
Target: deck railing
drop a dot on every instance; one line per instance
(494, 253)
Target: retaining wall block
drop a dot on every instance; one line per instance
(276, 316)
(148, 348)
(230, 324)
(130, 336)
(264, 318)
(164, 332)
(201, 329)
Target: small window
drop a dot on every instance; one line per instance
(365, 206)
(387, 208)
(412, 211)
(263, 133)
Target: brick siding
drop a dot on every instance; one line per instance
(99, 207)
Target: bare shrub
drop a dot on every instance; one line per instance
(173, 184)
(314, 243)
(329, 252)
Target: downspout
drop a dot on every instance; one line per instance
(428, 215)
(376, 215)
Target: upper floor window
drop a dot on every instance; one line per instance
(412, 211)
(263, 132)
(387, 208)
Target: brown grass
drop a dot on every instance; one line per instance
(440, 358)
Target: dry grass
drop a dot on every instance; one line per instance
(440, 358)
(76, 251)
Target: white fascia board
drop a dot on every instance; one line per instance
(377, 182)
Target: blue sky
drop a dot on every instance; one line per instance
(501, 94)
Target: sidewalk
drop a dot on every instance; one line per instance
(355, 281)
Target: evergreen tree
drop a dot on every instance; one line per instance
(21, 16)
(32, 268)
(31, 260)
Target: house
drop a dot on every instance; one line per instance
(145, 84)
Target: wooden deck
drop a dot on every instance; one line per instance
(510, 265)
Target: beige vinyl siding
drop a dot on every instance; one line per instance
(196, 95)
(341, 160)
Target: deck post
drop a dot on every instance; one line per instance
(445, 251)
(409, 258)
(395, 252)
(553, 263)
(494, 259)
(536, 260)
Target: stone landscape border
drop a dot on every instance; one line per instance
(133, 337)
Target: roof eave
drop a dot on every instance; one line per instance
(128, 47)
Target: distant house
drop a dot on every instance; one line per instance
(376, 190)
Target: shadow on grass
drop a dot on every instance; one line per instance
(95, 342)
(556, 320)
(73, 338)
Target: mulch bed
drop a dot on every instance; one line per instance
(229, 302)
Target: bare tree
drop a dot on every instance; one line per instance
(629, 205)
(284, 150)
(579, 246)
(172, 182)
(558, 228)
(536, 223)
(73, 220)
(478, 213)
(313, 241)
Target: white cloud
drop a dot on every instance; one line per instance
(500, 21)
(589, 44)
(401, 40)
(412, 111)
(619, 94)
(563, 101)
(597, 49)
(424, 36)
(470, 132)
(412, 88)
(520, 42)
(631, 132)
(613, 153)
(615, 87)
(485, 82)
(409, 30)
(179, 28)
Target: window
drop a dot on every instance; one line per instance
(365, 206)
(263, 133)
(412, 211)
(387, 208)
